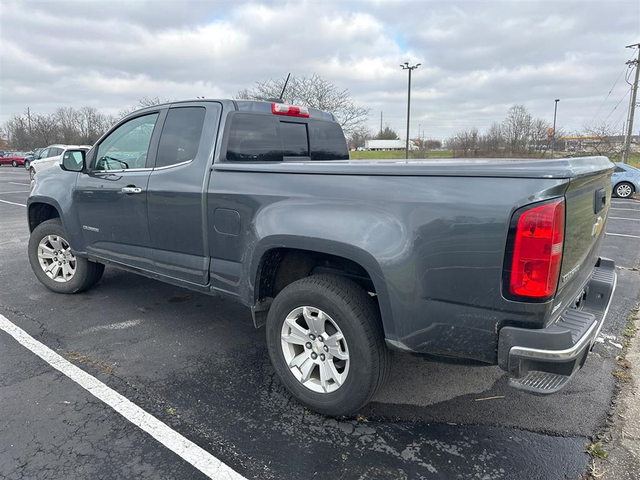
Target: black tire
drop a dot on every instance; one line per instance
(14, 163)
(26, 164)
(358, 317)
(86, 275)
(32, 173)
(628, 191)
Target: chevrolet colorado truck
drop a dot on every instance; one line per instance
(492, 260)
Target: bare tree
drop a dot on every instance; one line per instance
(602, 139)
(44, 129)
(312, 91)
(67, 125)
(144, 102)
(91, 124)
(517, 129)
(520, 134)
(17, 132)
(359, 136)
(67, 118)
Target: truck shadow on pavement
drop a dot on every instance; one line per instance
(197, 363)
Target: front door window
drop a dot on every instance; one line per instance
(127, 146)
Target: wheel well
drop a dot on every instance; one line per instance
(280, 267)
(41, 212)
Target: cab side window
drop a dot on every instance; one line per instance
(126, 147)
(180, 136)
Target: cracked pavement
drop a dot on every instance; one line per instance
(197, 364)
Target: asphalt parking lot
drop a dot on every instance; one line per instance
(196, 364)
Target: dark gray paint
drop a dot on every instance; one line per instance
(431, 234)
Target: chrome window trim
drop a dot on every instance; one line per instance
(123, 170)
(173, 165)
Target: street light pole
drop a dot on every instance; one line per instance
(553, 135)
(406, 66)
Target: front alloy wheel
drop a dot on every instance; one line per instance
(56, 259)
(624, 190)
(315, 349)
(55, 265)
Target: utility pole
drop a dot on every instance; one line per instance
(29, 119)
(632, 107)
(406, 66)
(553, 135)
(380, 124)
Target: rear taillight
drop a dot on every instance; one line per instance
(290, 110)
(536, 242)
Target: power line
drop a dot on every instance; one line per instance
(611, 90)
(622, 115)
(614, 108)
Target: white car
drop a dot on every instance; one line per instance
(52, 156)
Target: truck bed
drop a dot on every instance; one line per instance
(434, 167)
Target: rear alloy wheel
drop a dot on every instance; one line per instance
(26, 164)
(32, 173)
(14, 163)
(315, 349)
(624, 190)
(326, 343)
(55, 264)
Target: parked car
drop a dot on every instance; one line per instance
(13, 158)
(2, 153)
(341, 260)
(52, 156)
(626, 180)
(35, 155)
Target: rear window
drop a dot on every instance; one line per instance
(265, 138)
(327, 141)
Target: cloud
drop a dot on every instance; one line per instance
(478, 58)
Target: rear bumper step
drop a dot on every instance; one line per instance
(544, 360)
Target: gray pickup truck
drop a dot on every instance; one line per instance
(492, 260)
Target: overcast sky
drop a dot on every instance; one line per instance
(478, 58)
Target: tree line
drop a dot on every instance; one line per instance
(67, 125)
(519, 134)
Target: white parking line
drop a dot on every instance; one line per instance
(622, 218)
(612, 208)
(16, 191)
(623, 235)
(16, 183)
(13, 203)
(181, 446)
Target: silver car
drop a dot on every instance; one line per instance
(626, 180)
(52, 156)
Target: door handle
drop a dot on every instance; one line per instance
(130, 190)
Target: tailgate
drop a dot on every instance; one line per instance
(588, 199)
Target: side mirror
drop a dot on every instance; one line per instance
(73, 160)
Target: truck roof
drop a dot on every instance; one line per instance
(256, 106)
